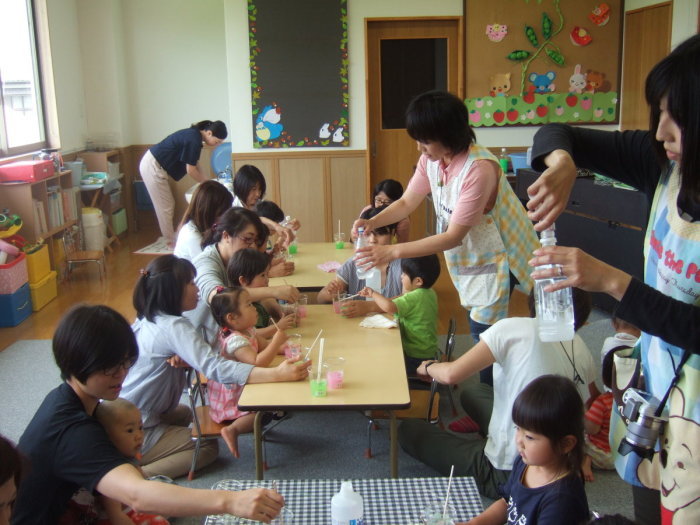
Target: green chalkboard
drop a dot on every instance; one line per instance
(299, 73)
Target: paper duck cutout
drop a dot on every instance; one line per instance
(600, 14)
(267, 125)
(496, 32)
(580, 36)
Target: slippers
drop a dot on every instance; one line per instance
(465, 425)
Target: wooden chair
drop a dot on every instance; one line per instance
(203, 428)
(75, 254)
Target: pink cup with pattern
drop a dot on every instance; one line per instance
(334, 368)
(292, 348)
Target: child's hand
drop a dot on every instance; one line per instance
(286, 292)
(281, 268)
(335, 286)
(366, 292)
(293, 370)
(280, 337)
(354, 308)
(286, 322)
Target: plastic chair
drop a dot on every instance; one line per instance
(73, 249)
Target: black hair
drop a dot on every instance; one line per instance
(217, 128)
(438, 116)
(10, 463)
(389, 229)
(391, 188)
(247, 263)
(426, 267)
(677, 77)
(269, 210)
(209, 200)
(607, 368)
(245, 179)
(234, 221)
(224, 302)
(159, 289)
(91, 339)
(551, 405)
(582, 306)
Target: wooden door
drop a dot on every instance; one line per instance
(406, 57)
(647, 40)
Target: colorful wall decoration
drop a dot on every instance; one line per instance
(299, 73)
(539, 61)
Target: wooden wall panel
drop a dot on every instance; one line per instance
(348, 192)
(302, 190)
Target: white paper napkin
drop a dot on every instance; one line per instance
(378, 321)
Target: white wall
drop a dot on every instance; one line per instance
(153, 67)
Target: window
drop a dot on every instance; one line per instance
(22, 117)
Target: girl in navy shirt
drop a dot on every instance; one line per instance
(545, 486)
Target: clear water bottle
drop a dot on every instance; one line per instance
(363, 273)
(347, 507)
(555, 310)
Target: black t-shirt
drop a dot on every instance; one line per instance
(67, 449)
(175, 151)
(563, 501)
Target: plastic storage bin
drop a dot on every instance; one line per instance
(119, 224)
(38, 264)
(15, 307)
(94, 231)
(43, 291)
(13, 274)
(519, 161)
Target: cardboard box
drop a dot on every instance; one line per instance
(26, 171)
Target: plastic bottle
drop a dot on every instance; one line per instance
(372, 274)
(287, 223)
(347, 507)
(555, 310)
(503, 160)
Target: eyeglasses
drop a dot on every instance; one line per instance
(250, 241)
(125, 364)
(381, 202)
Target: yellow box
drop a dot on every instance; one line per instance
(43, 291)
(38, 264)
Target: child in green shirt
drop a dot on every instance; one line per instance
(416, 309)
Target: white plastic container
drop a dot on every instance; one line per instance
(94, 230)
(347, 507)
(555, 310)
(367, 275)
(77, 167)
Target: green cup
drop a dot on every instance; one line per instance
(292, 248)
(319, 388)
(339, 239)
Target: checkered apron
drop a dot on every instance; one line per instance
(501, 243)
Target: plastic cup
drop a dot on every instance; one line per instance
(319, 387)
(291, 309)
(338, 300)
(334, 368)
(339, 238)
(302, 301)
(432, 514)
(292, 248)
(292, 348)
(285, 517)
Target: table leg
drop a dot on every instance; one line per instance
(257, 433)
(393, 452)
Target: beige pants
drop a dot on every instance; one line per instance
(157, 183)
(172, 455)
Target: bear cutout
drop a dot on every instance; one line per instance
(499, 84)
(595, 81)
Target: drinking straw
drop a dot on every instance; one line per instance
(338, 228)
(313, 344)
(320, 360)
(274, 323)
(447, 496)
(349, 297)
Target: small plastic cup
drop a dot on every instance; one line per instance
(292, 348)
(334, 368)
(338, 300)
(285, 517)
(293, 249)
(319, 387)
(432, 514)
(291, 309)
(339, 238)
(302, 301)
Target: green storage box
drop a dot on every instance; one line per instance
(119, 223)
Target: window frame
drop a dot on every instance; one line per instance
(5, 150)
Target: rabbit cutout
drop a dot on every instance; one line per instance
(577, 81)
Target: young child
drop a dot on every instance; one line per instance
(235, 313)
(121, 420)
(416, 309)
(249, 268)
(545, 485)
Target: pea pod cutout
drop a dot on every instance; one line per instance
(546, 26)
(532, 36)
(518, 55)
(556, 57)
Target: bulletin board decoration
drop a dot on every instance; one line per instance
(299, 73)
(533, 63)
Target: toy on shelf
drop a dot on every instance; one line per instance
(9, 224)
